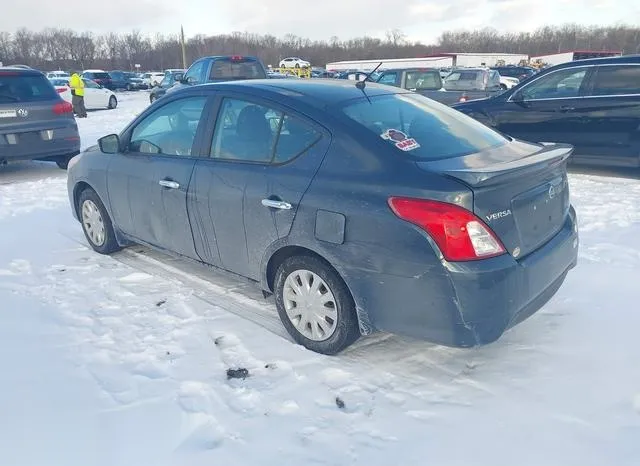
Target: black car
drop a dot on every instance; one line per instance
(593, 105)
(126, 80)
(35, 122)
(520, 72)
(100, 77)
(170, 78)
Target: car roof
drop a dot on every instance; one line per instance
(413, 68)
(21, 71)
(319, 93)
(598, 61)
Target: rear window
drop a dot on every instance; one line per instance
(100, 75)
(59, 82)
(423, 80)
(421, 127)
(25, 88)
(617, 80)
(229, 69)
(463, 80)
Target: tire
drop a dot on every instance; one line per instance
(503, 87)
(297, 65)
(113, 102)
(152, 98)
(344, 328)
(63, 161)
(88, 199)
(129, 88)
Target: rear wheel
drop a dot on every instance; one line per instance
(315, 305)
(129, 88)
(152, 98)
(96, 223)
(113, 102)
(297, 65)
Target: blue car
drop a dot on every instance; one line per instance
(361, 207)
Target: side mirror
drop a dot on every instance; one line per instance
(109, 144)
(518, 98)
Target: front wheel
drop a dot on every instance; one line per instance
(315, 305)
(113, 102)
(63, 161)
(96, 223)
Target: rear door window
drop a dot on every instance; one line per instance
(25, 88)
(420, 127)
(250, 132)
(423, 80)
(616, 80)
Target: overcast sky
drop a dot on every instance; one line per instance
(420, 20)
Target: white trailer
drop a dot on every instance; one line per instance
(564, 57)
(388, 63)
(487, 59)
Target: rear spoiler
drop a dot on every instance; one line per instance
(503, 167)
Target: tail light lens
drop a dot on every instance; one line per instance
(62, 107)
(460, 235)
(60, 90)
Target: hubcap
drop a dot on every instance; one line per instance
(92, 222)
(310, 305)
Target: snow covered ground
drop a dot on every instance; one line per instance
(122, 361)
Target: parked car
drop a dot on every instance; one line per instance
(507, 83)
(35, 122)
(521, 73)
(359, 207)
(169, 80)
(220, 69)
(458, 86)
(95, 96)
(126, 81)
(58, 74)
(100, 77)
(294, 62)
(593, 105)
(153, 78)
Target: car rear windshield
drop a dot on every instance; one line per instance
(421, 127)
(100, 75)
(229, 69)
(16, 87)
(423, 80)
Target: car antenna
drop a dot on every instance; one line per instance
(361, 84)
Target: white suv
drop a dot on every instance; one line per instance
(294, 62)
(153, 78)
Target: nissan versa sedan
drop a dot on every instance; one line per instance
(361, 207)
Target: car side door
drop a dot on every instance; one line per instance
(148, 181)
(262, 158)
(549, 109)
(612, 113)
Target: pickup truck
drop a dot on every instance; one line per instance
(221, 68)
(460, 85)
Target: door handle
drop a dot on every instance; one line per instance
(272, 203)
(169, 184)
(565, 109)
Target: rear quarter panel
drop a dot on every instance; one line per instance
(355, 180)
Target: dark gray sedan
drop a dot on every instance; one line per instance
(361, 208)
(35, 122)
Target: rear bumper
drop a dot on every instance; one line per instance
(29, 146)
(472, 303)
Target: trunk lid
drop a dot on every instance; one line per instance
(520, 190)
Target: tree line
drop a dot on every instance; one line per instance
(66, 49)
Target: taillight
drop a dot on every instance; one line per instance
(60, 90)
(460, 235)
(62, 107)
(236, 58)
(463, 98)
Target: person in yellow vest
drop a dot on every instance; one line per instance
(77, 95)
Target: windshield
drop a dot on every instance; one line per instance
(228, 69)
(21, 88)
(100, 75)
(425, 129)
